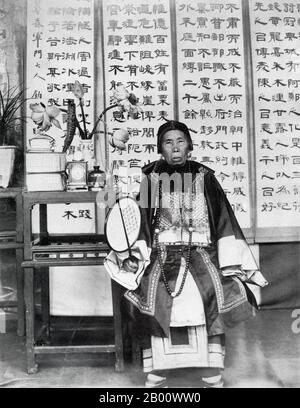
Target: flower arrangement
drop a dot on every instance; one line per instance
(45, 116)
(119, 139)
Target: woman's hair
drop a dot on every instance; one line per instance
(173, 125)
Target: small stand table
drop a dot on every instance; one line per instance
(47, 250)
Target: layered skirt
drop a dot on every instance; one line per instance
(187, 344)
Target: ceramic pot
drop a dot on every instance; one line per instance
(96, 179)
(7, 162)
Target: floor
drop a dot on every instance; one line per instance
(263, 352)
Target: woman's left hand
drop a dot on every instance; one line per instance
(131, 264)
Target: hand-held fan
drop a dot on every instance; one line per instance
(122, 227)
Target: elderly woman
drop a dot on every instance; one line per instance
(191, 267)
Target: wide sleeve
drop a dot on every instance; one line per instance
(234, 254)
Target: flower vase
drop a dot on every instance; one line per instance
(101, 147)
(86, 146)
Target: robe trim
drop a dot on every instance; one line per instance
(147, 307)
(222, 306)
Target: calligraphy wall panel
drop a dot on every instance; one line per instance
(275, 32)
(138, 55)
(60, 50)
(212, 94)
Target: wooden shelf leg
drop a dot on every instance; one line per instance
(30, 316)
(116, 300)
(45, 300)
(20, 292)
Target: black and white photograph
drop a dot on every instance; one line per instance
(149, 197)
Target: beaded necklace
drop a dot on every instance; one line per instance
(158, 247)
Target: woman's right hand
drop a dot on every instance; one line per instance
(131, 264)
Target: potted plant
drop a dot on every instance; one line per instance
(12, 99)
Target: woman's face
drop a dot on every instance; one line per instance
(175, 147)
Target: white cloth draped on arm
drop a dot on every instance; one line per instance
(232, 251)
(114, 260)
